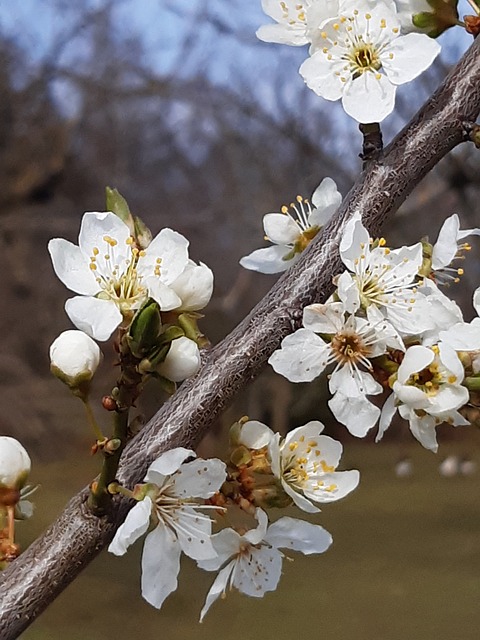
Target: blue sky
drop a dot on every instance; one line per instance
(162, 26)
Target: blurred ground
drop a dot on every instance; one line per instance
(405, 563)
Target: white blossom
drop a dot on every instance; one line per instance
(15, 463)
(74, 357)
(113, 276)
(443, 312)
(427, 392)
(293, 229)
(360, 57)
(291, 19)
(383, 280)
(173, 507)
(347, 341)
(304, 461)
(252, 562)
(449, 248)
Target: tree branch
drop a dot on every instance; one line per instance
(56, 558)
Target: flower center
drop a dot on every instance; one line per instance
(349, 347)
(117, 276)
(364, 57)
(299, 212)
(431, 379)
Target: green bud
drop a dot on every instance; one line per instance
(145, 328)
(444, 15)
(150, 363)
(142, 233)
(240, 456)
(118, 205)
(170, 334)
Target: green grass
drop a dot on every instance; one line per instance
(405, 563)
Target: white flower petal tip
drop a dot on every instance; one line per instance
(15, 464)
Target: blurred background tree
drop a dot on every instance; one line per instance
(203, 129)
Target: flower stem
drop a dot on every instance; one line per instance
(91, 420)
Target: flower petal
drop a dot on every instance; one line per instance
(326, 199)
(200, 478)
(169, 462)
(302, 357)
(135, 525)
(268, 260)
(255, 435)
(280, 228)
(194, 286)
(96, 317)
(369, 98)
(258, 572)
(163, 294)
(172, 249)
(160, 565)
(290, 533)
(72, 267)
(408, 56)
(218, 587)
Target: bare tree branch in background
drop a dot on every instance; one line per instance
(55, 559)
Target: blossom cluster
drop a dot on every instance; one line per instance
(359, 50)
(142, 287)
(390, 331)
(264, 471)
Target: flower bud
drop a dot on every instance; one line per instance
(182, 361)
(14, 464)
(74, 358)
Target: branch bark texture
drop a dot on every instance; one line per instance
(56, 558)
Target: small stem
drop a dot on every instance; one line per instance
(115, 488)
(91, 420)
(11, 523)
